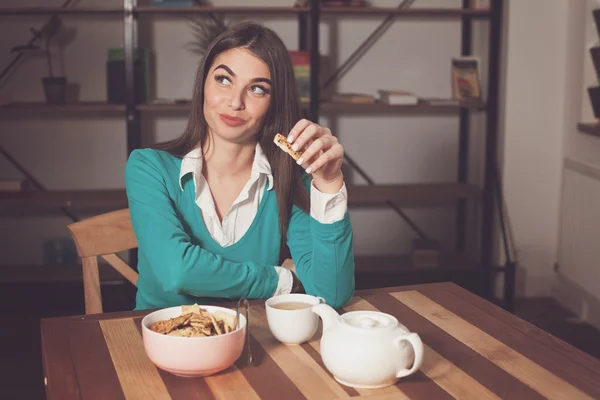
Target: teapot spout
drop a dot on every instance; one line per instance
(329, 316)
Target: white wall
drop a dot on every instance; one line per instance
(90, 152)
(534, 119)
(578, 283)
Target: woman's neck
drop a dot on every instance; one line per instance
(224, 159)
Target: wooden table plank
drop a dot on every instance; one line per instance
(180, 387)
(277, 381)
(482, 370)
(59, 372)
(452, 380)
(519, 366)
(138, 376)
(417, 386)
(552, 357)
(95, 371)
(304, 372)
(231, 385)
(530, 331)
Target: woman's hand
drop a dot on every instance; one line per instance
(297, 286)
(323, 154)
(288, 263)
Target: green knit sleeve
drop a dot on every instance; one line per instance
(180, 265)
(324, 256)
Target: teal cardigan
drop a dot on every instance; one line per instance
(179, 262)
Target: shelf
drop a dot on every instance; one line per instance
(26, 274)
(408, 12)
(419, 194)
(392, 264)
(589, 128)
(354, 108)
(384, 271)
(71, 108)
(326, 107)
(409, 195)
(326, 11)
(230, 10)
(4, 11)
(36, 203)
(165, 107)
(386, 108)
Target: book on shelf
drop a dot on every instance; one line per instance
(173, 3)
(352, 98)
(301, 63)
(480, 4)
(434, 101)
(10, 187)
(465, 78)
(398, 97)
(344, 3)
(115, 75)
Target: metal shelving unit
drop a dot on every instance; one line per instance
(454, 194)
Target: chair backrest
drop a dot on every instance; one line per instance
(103, 236)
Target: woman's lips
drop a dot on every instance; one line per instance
(232, 121)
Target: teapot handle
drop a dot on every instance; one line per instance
(417, 345)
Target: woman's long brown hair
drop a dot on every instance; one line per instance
(283, 113)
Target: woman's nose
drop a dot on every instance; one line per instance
(237, 100)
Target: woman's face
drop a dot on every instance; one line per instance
(237, 94)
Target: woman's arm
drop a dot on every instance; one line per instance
(323, 256)
(321, 246)
(178, 264)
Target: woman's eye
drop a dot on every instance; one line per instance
(222, 79)
(259, 90)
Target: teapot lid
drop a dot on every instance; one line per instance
(369, 320)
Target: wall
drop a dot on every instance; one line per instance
(578, 283)
(90, 152)
(532, 134)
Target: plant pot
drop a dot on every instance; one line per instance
(55, 89)
(594, 93)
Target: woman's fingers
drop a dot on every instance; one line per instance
(313, 151)
(321, 151)
(317, 144)
(299, 127)
(335, 153)
(309, 133)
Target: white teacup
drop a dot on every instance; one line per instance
(290, 317)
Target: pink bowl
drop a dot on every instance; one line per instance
(192, 356)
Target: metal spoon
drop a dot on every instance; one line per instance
(237, 325)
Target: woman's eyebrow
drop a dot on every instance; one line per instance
(265, 80)
(230, 71)
(226, 68)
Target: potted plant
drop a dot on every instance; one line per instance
(51, 36)
(205, 29)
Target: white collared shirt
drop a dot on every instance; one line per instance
(324, 207)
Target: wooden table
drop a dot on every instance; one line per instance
(473, 349)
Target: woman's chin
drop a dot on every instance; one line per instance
(235, 135)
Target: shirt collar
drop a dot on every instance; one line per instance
(192, 163)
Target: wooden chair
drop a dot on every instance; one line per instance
(103, 235)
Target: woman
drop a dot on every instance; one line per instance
(217, 211)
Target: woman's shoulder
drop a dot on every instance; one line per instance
(154, 157)
(152, 161)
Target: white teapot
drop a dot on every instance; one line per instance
(367, 349)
